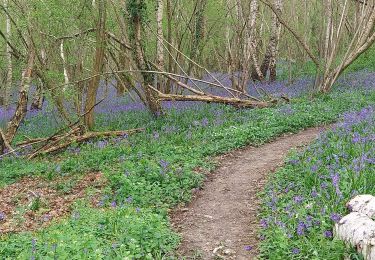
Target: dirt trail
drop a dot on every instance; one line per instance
(223, 215)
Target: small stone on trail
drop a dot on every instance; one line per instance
(217, 249)
(229, 252)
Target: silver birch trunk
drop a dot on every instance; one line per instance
(5, 93)
(62, 55)
(159, 43)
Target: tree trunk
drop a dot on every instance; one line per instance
(159, 43)
(152, 102)
(97, 65)
(270, 58)
(38, 99)
(168, 85)
(62, 55)
(21, 109)
(4, 96)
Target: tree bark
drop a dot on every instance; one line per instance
(152, 102)
(38, 99)
(62, 55)
(270, 58)
(5, 93)
(159, 43)
(97, 65)
(21, 109)
(168, 85)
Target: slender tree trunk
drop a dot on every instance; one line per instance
(159, 43)
(198, 34)
(229, 50)
(97, 65)
(256, 73)
(4, 96)
(124, 64)
(152, 101)
(62, 55)
(275, 45)
(21, 109)
(270, 58)
(168, 86)
(38, 99)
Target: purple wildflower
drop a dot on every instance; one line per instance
(296, 251)
(294, 162)
(46, 217)
(205, 122)
(298, 199)
(101, 144)
(248, 248)
(301, 228)
(356, 138)
(328, 234)
(335, 217)
(156, 135)
(2, 216)
(314, 193)
(264, 223)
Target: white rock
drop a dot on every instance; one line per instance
(358, 230)
(364, 204)
(229, 252)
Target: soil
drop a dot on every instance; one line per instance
(221, 221)
(34, 202)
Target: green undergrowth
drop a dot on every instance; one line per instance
(303, 201)
(151, 172)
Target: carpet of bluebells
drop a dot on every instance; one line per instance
(306, 197)
(151, 172)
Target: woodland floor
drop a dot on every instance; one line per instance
(221, 221)
(32, 203)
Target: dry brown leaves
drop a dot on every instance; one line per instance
(32, 203)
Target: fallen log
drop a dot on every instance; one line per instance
(67, 140)
(33, 141)
(208, 98)
(236, 102)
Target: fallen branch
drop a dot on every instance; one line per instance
(42, 140)
(236, 102)
(68, 139)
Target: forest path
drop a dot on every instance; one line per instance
(222, 218)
